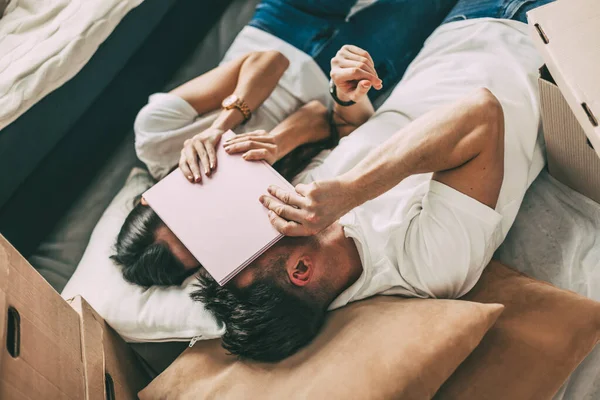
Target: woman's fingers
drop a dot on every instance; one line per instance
(202, 155)
(191, 158)
(258, 132)
(185, 169)
(256, 155)
(212, 155)
(247, 137)
(247, 146)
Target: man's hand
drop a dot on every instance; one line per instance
(309, 209)
(257, 145)
(200, 149)
(353, 73)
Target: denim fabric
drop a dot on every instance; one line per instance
(503, 9)
(392, 31)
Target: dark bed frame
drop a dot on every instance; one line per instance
(51, 153)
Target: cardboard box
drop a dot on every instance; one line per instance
(51, 349)
(567, 34)
(40, 350)
(113, 371)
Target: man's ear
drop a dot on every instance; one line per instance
(301, 273)
(143, 201)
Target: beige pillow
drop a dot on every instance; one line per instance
(541, 337)
(381, 348)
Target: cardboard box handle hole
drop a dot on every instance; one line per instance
(542, 34)
(590, 114)
(109, 387)
(13, 334)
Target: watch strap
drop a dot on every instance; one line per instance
(333, 93)
(245, 110)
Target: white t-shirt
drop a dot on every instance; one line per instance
(423, 238)
(167, 121)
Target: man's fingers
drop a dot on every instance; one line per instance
(291, 198)
(202, 155)
(256, 155)
(362, 89)
(303, 189)
(283, 210)
(183, 166)
(353, 65)
(191, 158)
(288, 228)
(358, 51)
(355, 74)
(357, 61)
(351, 56)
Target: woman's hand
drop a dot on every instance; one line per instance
(309, 209)
(200, 149)
(257, 145)
(353, 73)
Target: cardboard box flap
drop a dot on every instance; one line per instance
(567, 34)
(113, 371)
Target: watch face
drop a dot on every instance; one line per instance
(230, 100)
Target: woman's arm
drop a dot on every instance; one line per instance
(252, 78)
(308, 124)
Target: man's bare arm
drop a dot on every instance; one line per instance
(463, 144)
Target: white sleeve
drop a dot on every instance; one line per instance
(161, 127)
(308, 174)
(446, 246)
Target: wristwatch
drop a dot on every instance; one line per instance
(233, 101)
(333, 93)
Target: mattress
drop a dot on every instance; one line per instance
(45, 43)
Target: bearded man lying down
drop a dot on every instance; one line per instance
(412, 203)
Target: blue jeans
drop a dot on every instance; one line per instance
(502, 9)
(392, 31)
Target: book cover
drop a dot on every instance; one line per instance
(220, 221)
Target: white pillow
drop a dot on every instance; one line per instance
(155, 315)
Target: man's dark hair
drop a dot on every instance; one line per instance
(144, 260)
(265, 321)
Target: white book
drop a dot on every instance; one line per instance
(221, 220)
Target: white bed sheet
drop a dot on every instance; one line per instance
(43, 44)
(556, 238)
